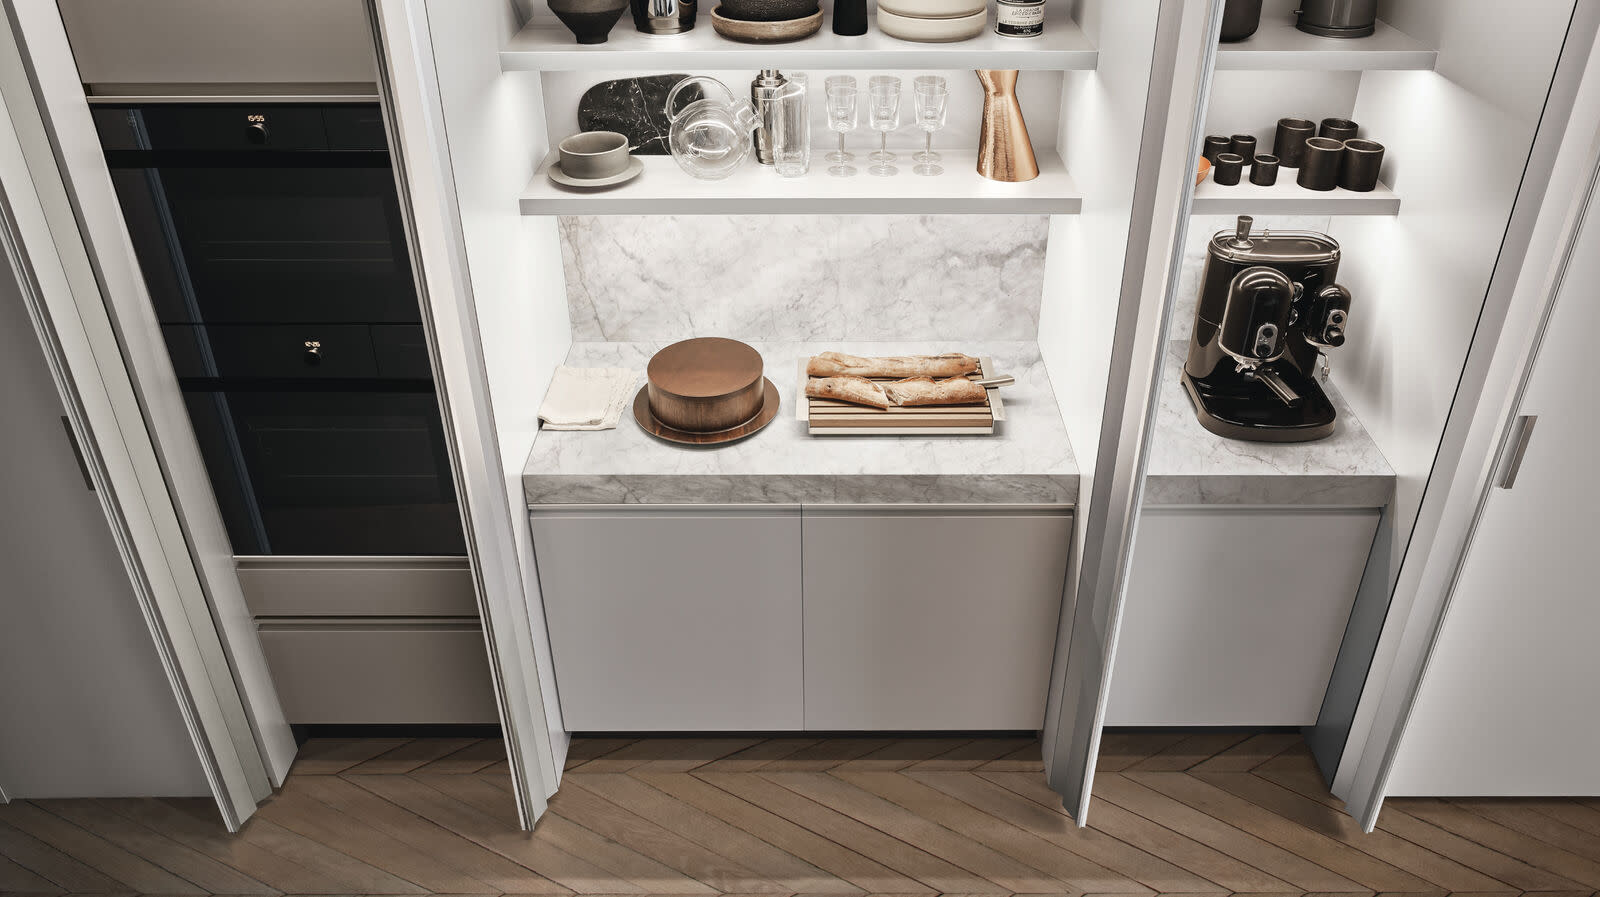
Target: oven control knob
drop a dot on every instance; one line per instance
(257, 132)
(313, 351)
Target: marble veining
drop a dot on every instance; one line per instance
(1028, 461)
(804, 277)
(1190, 465)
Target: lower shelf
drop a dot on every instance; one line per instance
(665, 189)
(1288, 198)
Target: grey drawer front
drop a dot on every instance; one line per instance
(357, 587)
(380, 672)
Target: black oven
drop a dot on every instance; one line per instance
(271, 240)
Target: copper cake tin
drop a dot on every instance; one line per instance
(707, 385)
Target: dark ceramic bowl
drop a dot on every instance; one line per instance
(767, 10)
(588, 20)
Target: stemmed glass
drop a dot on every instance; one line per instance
(930, 100)
(883, 114)
(842, 119)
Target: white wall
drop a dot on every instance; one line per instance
(85, 707)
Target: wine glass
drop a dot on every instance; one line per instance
(883, 115)
(842, 119)
(930, 100)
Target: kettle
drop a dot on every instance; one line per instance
(709, 137)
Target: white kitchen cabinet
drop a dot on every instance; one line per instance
(673, 620)
(1233, 616)
(931, 618)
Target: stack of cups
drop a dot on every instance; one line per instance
(1336, 157)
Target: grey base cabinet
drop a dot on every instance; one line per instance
(940, 621)
(827, 619)
(1233, 616)
(673, 620)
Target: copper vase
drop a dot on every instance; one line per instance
(1004, 151)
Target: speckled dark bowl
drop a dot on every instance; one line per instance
(767, 10)
(588, 20)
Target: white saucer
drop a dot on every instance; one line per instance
(635, 165)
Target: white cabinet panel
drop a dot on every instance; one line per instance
(931, 620)
(674, 621)
(1233, 617)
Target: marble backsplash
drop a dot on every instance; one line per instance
(804, 277)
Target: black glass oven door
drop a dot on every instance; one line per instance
(317, 472)
(233, 244)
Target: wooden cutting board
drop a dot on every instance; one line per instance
(825, 417)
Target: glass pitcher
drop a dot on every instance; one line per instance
(710, 136)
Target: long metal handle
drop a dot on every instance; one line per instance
(996, 380)
(1519, 448)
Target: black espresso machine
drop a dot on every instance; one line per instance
(1268, 308)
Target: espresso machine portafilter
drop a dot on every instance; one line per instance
(1268, 308)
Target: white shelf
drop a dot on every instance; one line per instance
(664, 189)
(1288, 198)
(545, 45)
(1278, 45)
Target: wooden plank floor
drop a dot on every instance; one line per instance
(1208, 813)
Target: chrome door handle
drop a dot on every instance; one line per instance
(1519, 448)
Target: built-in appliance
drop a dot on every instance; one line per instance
(1268, 308)
(272, 243)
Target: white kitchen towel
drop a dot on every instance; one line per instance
(587, 398)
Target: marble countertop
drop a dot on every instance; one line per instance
(1189, 465)
(1027, 461)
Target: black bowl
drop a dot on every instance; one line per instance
(588, 20)
(767, 10)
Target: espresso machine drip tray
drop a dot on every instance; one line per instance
(1249, 409)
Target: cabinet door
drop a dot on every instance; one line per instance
(1233, 616)
(931, 620)
(673, 620)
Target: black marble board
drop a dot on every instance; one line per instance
(635, 107)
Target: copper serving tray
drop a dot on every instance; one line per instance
(825, 417)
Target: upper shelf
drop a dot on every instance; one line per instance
(544, 45)
(1278, 45)
(1288, 198)
(664, 189)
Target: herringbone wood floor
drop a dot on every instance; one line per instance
(1209, 813)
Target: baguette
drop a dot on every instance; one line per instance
(838, 364)
(856, 390)
(927, 391)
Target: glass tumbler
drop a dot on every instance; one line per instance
(791, 130)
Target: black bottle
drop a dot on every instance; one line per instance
(850, 17)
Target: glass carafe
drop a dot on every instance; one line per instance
(710, 136)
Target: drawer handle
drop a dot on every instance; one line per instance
(1519, 448)
(313, 351)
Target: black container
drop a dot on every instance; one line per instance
(1319, 170)
(1289, 144)
(1358, 168)
(1243, 145)
(1240, 19)
(1338, 18)
(588, 20)
(1340, 129)
(850, 17)
(1228, 167)
(1265, 170)
(1215, 146)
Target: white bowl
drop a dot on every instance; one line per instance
(933, 9)
(932, 30)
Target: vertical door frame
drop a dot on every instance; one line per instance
(40, 236)
(1558, 185)
(408, 85)
(1185, 42)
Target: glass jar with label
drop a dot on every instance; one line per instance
(1019, 18)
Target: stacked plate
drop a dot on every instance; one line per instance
(932, 21)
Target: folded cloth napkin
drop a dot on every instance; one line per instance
(587, 398)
